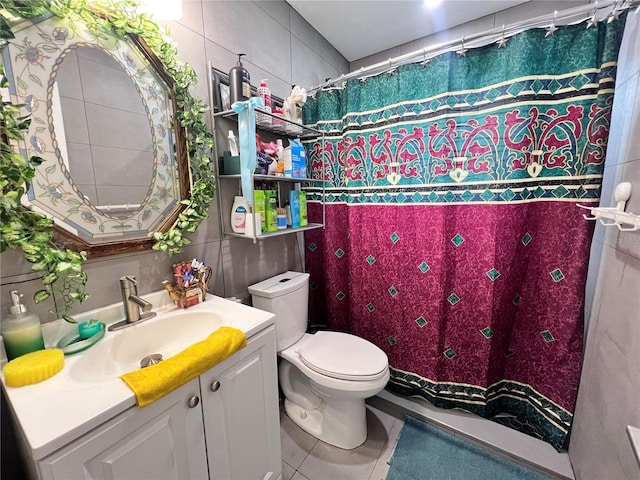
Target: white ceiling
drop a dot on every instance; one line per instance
(359, 28)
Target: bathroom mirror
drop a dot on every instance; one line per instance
(102, 130)
(103, 118)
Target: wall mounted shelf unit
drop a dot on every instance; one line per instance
(230, 185)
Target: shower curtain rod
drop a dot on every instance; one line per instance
(499, 35)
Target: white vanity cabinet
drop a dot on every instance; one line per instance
(222, 425)
(241, 415)
(164, 440)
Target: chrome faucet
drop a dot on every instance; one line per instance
(132, 304)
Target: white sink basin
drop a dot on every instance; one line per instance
(166, 334)
(87, 391)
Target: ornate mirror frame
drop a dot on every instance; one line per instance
(24, 228)
(167, 219)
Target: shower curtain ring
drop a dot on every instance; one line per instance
(615, 13)
(391, 70)
(552, 28)
(593, 19)
(463, 51)
(425, 60)
(502, 42)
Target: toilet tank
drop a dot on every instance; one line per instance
(286, 295)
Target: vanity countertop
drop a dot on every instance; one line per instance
(54, 412)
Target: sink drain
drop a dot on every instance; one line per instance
(150, 360)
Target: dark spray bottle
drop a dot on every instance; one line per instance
(239, 82)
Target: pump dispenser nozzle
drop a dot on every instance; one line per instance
(16, 307)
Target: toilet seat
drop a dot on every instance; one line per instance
(344, 356)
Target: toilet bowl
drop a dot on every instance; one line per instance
(326, 376)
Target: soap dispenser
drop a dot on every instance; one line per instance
(21, 331)
(239, 82)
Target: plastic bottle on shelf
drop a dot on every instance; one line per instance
(233, 144)
(278, 123)
(294, 203)
(280, 157)
(238, 214)
(239, 82)
(273, 168)
(265, 94)
(286, 162)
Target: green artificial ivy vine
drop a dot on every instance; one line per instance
(30, 231)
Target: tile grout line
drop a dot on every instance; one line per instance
(385, 467)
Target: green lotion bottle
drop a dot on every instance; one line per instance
(21, 331)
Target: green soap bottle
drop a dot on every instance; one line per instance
(21, 331)
(271, 210)
(302, 196)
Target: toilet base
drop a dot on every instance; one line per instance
(341, 423)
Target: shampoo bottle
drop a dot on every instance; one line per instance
(265, 94)
(21, 331)
(239, 82)
(294, 203)
(233, 144)
(238, 214)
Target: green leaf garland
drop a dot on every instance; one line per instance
(31, 231)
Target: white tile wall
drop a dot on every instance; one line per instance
(243, 27)
(191, 49)
(302, 58)
(610, 383)
(191, 16)
(279, 11)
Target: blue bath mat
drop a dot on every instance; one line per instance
(425, 452)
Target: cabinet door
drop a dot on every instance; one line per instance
(241, 416)
(164, 440)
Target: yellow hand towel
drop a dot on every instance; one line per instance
(151, 383)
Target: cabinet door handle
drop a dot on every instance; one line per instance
(215, 386)
(194, 401)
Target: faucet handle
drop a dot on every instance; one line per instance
(129, 283)
(129, 278)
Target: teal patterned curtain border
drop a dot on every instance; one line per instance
(414, 137)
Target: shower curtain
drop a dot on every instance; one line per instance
(452, 239)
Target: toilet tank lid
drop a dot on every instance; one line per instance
(280, 284)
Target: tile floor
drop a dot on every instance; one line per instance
(306, 458)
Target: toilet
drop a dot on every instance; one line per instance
(326, 376)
